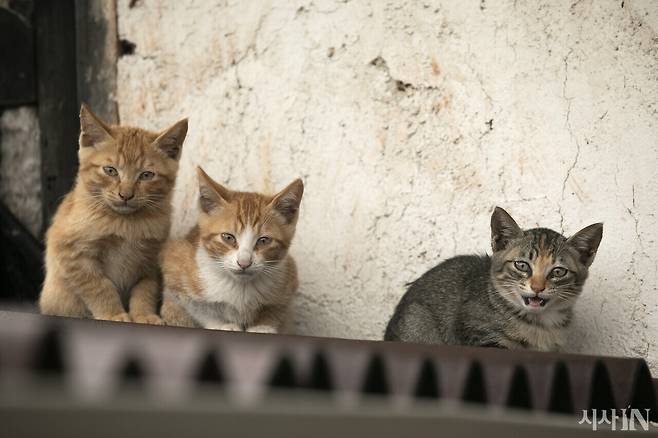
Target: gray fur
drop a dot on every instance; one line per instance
(477, 300)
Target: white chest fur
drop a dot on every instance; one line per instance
(245, 297)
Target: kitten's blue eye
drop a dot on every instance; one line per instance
(146, 175)
(228, 238)
(522, 266)
(264, 240)
(111, 171)
(559, 272)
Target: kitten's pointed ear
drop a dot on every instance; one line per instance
(92, 129)
(170, 141)
(287, 201)
(212, 195)
(586, 242)
(503, 229)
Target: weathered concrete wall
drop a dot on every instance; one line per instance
(20, 165)
(409, 121)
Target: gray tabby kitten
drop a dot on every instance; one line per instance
(519, 297)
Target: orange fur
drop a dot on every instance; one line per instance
(102, 246)
(233, 270)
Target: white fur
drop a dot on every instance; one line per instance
(245, 295)
(230, 327)
(262, 329)
(246, 242)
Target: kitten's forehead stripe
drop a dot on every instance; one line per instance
(250, 209)
(133, 145)
(544, 243)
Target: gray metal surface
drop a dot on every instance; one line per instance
(301, 415)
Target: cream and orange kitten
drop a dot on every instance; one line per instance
(233, 270)
(102, 246)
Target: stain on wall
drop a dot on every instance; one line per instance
(409, 121)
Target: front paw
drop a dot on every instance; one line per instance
(148, 319)
(121, 317)
(262, 329)
(227, 327)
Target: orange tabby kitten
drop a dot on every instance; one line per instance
(101, 249)
(233, 270)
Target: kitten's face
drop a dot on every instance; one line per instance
(537, 270)
(247, 234)
(128, 169)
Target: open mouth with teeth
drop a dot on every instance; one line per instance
(534, 302)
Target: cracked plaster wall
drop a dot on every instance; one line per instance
(409, 121)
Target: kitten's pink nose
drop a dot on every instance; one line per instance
(244, 264)
(126, 196)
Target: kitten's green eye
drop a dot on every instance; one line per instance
(228, 238)
(558, 272)
(146, 175)
(522, 266)
(264, 240)
(111, 171)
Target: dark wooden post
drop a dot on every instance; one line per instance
(17, 52)
(76, 56)
(55, 47)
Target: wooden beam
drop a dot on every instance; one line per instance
(54, 22)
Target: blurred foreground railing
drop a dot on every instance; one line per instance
(95, 362)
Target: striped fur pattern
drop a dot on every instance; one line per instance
(102, 246)
(520, 297)
(233, 270)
